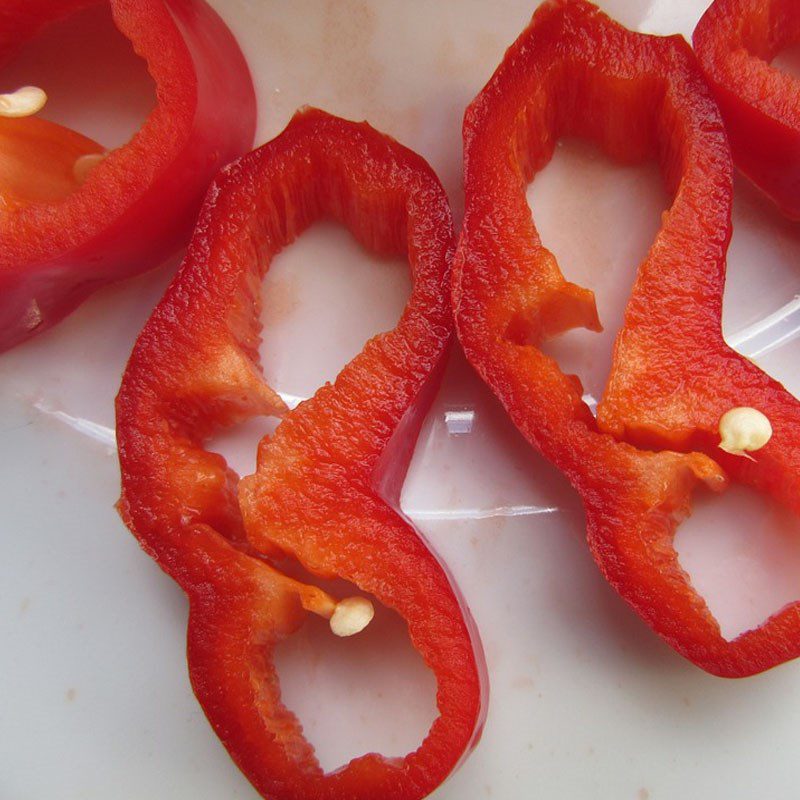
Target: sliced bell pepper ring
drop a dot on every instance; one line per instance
(576, 72)
(195, 369)
(735, 40)
(72, 218)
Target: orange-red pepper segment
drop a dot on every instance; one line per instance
(195, 369)
(65, 236)
(735, 42)
(573, 71)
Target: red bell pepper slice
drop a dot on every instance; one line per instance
(576, 72)
(195, 369)
(64, 237)
(735, 40)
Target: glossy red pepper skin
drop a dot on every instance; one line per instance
(735, 40)
(138, 205)
(195, 369)
(575, 72)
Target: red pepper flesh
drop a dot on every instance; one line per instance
(576, 72)
(62, 239)
(735, 41)
(313, 499)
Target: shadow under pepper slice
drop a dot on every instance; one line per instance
(195, 369)
(73, 218)
(735, 40)
(575, 72)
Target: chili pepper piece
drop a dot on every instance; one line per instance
(735, 40)
(312, 497)
(37, 161)
(63, 237)
(574, 71)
